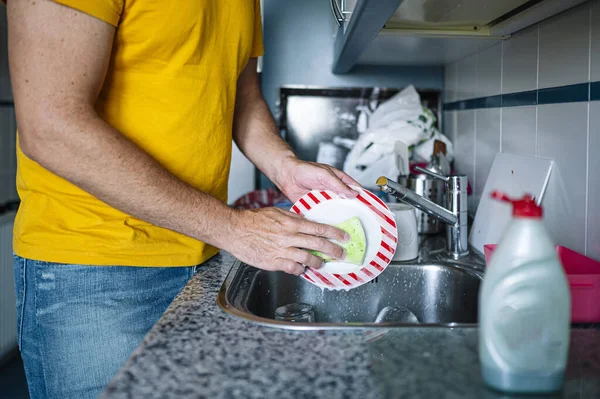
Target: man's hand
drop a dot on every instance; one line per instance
(274, 239)
(257, 136)
(297, 177)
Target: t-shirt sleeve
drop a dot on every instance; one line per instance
(107, 10)
(257, 44)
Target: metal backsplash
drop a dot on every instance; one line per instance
(311, 115)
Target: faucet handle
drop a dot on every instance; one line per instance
(433, 174)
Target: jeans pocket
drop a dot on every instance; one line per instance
(19, 268)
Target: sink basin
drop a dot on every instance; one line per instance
(439, 294)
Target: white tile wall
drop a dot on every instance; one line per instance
(564, 48)
(562, 136)
(487, 145)
(595, 45)
(449, 125)
(593, 216)
(554, 53)
(519, 70)
(467, 78)
(489, 72)
(519, 130)
(451, 83)
(464, 148)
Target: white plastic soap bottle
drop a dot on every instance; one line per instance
(524, 308)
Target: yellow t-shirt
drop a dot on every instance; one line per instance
(171, 89)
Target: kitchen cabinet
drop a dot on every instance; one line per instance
(433, 32)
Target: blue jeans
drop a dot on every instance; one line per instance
(78, 324)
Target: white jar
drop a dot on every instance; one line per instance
(408, 236)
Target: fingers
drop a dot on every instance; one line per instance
(319, 244)
(289, 266)
(341, 188)
(332, 181)
(322, 230)
(305, 258)
(346, 179)
(281, 240)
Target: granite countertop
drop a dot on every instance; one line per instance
(196, 350)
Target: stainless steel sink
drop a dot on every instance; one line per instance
(440, 294)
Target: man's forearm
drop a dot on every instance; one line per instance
(257, 136)
(254, 129)
(89, 153)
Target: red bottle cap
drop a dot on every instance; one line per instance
(523, 208)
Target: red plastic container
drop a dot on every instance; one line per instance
(583, 274)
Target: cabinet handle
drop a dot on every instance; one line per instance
(337, 13)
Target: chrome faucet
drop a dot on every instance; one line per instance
(455, 217)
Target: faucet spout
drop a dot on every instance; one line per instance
(455, 217)
(408, 196)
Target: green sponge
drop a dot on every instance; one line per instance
(356, 247)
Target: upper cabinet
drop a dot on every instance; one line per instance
(429, 32)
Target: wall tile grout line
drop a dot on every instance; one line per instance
(587, 158)
(501, 89)
(537, 67)
(475, 130)
(590, 45)
(587, 181)
(537, 87)
(474, 151)
(536, 131)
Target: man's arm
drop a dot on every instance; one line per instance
(58, 61)
(254, 129)
(256, 134)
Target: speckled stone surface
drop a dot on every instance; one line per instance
(196, 350)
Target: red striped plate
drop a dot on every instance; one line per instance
(380, 229)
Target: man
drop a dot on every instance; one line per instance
(126, 110)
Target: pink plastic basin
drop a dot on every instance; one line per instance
(583, 274)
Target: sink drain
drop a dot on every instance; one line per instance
(296, 313)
